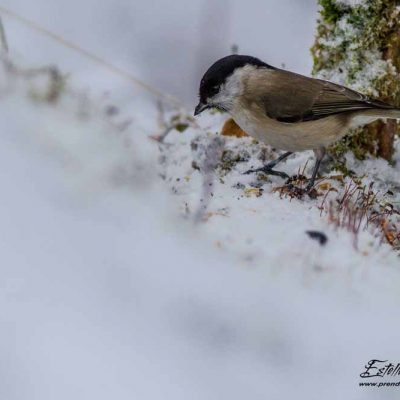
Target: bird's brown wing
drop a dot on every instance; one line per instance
(288, 97)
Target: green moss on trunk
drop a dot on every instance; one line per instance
(358, 45)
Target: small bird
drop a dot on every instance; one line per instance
(286, 110)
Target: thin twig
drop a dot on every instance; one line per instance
(112, 68)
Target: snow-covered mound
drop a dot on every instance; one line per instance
(253, 218)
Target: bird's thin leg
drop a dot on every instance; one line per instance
(319, 155)
(268, 167)
(296, 191)
(273, 163)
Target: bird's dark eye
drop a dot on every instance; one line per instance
(208, 89)
(214, 90)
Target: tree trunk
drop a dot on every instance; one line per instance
(358, 45)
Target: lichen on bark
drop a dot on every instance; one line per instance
(358, 45)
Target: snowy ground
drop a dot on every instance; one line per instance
(246, 216)
(118, 283)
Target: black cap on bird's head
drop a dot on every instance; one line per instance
(217, 75)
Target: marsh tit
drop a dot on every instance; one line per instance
(286, 110)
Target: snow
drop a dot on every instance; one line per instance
(352, 2)
(349, 71)
(270, 230)
(113, 289)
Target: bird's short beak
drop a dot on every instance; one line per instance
(200, 108)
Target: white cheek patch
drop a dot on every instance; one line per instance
(231, 89)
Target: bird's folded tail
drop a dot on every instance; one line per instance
(367, 116)
(391, 113)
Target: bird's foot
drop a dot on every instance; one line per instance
(299, 192)
(268, 171)
(294, 187)
(294, 191)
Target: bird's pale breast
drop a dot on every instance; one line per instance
(290, 136)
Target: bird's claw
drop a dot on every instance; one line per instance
(268, 171)
(292, 188)
(299, 192)
(294, 191)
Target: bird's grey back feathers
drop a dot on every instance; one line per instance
(289, 97)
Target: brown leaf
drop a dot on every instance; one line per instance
(231, 128)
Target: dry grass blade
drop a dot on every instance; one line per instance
(98, 60)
